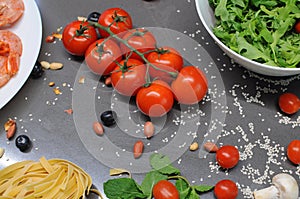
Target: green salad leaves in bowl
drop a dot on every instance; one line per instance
(258, 34)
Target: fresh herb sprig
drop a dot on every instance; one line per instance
(162, 169)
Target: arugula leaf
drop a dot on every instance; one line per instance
(222, 11)
(162, 164)
(150, 180)
(123, 188)
(183, 188)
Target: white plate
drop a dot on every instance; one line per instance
(29, 29)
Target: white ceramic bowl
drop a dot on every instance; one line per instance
(207, 17)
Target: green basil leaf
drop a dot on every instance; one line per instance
(193, 194)
(202, 188)
(123, 188)
(183, 188)
(162, 164)
(150, 180)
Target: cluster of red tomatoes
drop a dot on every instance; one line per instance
(137, 67)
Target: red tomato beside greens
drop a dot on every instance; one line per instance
(226, 189)
(165, 58)
(297, 27)
(156, 99)
(117, 19)
(165, 190)
(140, 39)
(77, 36)
(101, 56)
(190, 86)
(128, 77)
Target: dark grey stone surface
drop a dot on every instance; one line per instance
(248, 100)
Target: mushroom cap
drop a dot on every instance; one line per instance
(287, 185)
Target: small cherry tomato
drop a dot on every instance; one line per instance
(165, 58)
(164, 189)
(77, 36)
(190, 86)
(293, 151)
(117, 19)
(227, 156)
(140, 39)
(297, 27)
(289, 103)
(156, 99)
(226, 189)
(128, 77)
(101, 56)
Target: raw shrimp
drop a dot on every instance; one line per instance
(10, 12)
(10, 53)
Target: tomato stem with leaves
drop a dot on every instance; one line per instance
(107, 29)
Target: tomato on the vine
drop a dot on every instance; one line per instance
(140, 39)
(128, 77)
(117, 19)
(101, 56)
(289, 103)
(77, 36)
(227, 156)
(156, 99)
(226, 189)
(293, 151)
(164, 189)
(165, 58)
(190, 86)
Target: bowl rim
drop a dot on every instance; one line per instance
(219, 42)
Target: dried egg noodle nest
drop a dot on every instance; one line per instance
(54, 178)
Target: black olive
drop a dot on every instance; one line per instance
(37, 70)
(108, 118)
(94, 16)
(23, 142)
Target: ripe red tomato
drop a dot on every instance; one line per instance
(293, 151)
(190, 86)
(140, 39)
(101, 56)
(165, 58)
(227, 156)
(128, 77)
(156, 99)
(226, 189)
(297, 27)
(165, 190)
(117, 19)
(289, 103)
(77, 36)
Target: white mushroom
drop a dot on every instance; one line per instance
(284, 187)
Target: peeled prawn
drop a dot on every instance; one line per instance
(10, 12)
(10, 53)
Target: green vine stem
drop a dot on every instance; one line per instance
(148, 81)
(179, 177)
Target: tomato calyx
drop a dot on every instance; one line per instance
(81, 30)
(100, 49)
(118, 18)
(161, 51)
(124, 67)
